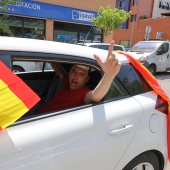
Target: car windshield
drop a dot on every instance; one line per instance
(145, 46)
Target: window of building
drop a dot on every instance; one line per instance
(135, 2)
(164, 5)
(76, 33)
(125, 43)
(133, 18)
(25, 27)
(120, 4)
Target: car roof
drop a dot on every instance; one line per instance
(52, 47)
(88, 44)
(151, 41)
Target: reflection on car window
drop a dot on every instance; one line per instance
(164, 47)
(26, 66)
(117, 48)
(130, 80)
(114, 91)
(94, 46)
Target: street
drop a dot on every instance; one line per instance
(164, 80)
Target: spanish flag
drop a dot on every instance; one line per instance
(155, 86)
(16, 98)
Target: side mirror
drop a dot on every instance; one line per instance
(7, 60)
(159, 52)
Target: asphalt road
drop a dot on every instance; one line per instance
(164, 81)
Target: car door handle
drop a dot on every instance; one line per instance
(126, 128)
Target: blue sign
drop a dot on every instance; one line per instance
(56, 12)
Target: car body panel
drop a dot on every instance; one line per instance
(76, 138)
(158, 123)
(104, 46)
(34, 45)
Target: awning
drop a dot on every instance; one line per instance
(165, 14)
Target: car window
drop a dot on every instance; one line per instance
(127, 82)
(164, 47)
(106, 47)
(115, 91)
(119, 48)
(131, 80)
(94, 46)
(26, 66)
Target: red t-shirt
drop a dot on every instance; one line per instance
(65, 98)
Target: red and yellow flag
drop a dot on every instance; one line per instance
(155, 86)
(16, 98)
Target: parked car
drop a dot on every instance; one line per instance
(21, 66)
(124, 131)
(155, 55)
(104, 46)
(25, 66)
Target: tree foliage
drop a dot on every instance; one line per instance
(110, 19)
(4, 28)
(4, 4)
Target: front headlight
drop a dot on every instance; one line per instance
(142, 59)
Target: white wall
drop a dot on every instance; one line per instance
(156, 13)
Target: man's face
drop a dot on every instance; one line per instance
(78, 77)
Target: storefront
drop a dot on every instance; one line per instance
(29, 19)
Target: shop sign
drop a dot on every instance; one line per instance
(56, 12)
(83, 16)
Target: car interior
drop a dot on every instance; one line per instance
(46, 82)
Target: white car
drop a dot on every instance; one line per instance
(125, 131)
(154, 55)
(104, 46)
(22, 66)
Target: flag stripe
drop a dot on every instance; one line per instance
(11, 107)
(17, 86)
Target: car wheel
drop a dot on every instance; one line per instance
(17, 69)
(147, 160)
(152, 69)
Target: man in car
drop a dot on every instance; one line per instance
(75, 90)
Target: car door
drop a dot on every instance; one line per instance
(91, 138)
(94, 136)
(162, 59)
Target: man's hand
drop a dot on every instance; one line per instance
(111, 65)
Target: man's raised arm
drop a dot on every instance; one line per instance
(60, 71)
(111, 67)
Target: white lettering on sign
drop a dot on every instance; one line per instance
(28, 5)
(83, 16)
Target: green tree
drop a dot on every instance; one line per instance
(4, 28)
(110, 19)
(4, 4)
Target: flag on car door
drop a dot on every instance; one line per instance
(155, 86)
(16, 98)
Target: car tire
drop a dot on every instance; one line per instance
(17, 69)
(147, 160)
(152, 69)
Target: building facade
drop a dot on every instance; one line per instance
(149, 19)
(63, 21)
